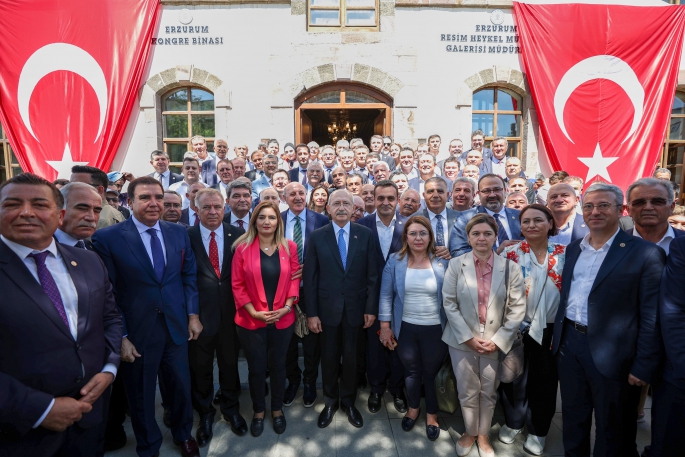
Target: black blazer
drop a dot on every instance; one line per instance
(253, 174)
(173, 177)
(185, 217)
(294, 175)
(216, 296)
(332, 291)
(40, 359)
(622, 307)
(672, 312)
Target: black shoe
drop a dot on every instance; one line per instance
(290, 393)
(326, 416)
(408, 422)
(257, 426)
(279, 424)
(238, 424)
(432, 432)
(375, 402)
(217, 397)
(353, 416)
(115, 439)
(166, 418)
(400, 402)
(309, 396)
(204, 430)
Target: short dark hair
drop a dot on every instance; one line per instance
(491, 175)
(302, 145)
(281, 170)
(435, 135)
(157, 152)
(60, 182)
(190, 159)
(438, 180)
(557, 177)
(35, 180)
(143, 180)
(97, 176)
(548, 213)
(386, 183)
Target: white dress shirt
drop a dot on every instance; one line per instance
(385, 234)
(55, 264)
(665, 242)
(163, 178)
(65, 238)
(584, 274)
(290, 225)
(346, 235)
(434, 224)
(503, 219)
(246, 220)
(182, 188)
(206, 235)
(223, 188)
(146, 237)
(191, 216)
(565, 232)
(498, 167)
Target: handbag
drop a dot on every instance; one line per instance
(511, 363)
(301, 328)
(446, 387)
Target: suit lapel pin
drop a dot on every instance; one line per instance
(73, 262)
(622, 245)
(400, 222)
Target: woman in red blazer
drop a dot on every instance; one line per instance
(263, 266)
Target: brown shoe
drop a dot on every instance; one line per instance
(188, 448)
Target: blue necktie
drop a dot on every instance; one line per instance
(342, 247)
(501, 233)
(157, 254)
(439, 231)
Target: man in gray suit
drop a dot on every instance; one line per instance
(436, 211)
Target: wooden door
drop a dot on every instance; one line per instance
(305, 128)
(379, 127)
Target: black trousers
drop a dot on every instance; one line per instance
(115, 410)
(668, 419)
(421, 350)
(311, 346)
(75, 441)
(225, 345)
(336, 342)
(584, 389)
(266, 347)
(384, 368)
(531, 399)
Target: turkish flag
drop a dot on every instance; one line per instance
(603, 78)
(70, 71)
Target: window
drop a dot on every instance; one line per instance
(186, 112)
(674, 149)
(9, 165)
(337, 15)
(497, 112)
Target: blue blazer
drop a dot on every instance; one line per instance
(138, 292)
(391, 303)
(622, 307)
(208, 172)
(459, 241)
(672, 312)
(259, 185)
(579, 228)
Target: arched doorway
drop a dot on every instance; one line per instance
(336, 111)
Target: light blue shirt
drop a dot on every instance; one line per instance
(290, 225)
(346, 234)
(146, 237)
(565, 232)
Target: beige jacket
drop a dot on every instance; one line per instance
(109, 216)
(460, 300)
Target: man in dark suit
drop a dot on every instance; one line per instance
(650, 203)
(562, 202)
(427, 171)
(299, 173)
(160, 162)
(82, 205)
(225, 173)
(189, 216)
(328, 161)
(153, 271)
(340, 283)
(477, 143)
(208, 173)
(440, 216)
(299, 223)
(257, 161)
(491, 189)
(212, 241)
(605, 334)
(60, 348)
(240, 203)
(383, 366)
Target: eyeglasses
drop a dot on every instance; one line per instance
(603, 207)
(422, 234)
(172, 205)
(496, 190)
(654, 202)
(344, 204)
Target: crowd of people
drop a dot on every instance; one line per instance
(382, 262)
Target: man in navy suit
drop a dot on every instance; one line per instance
(299, 224)
(491, 189)
(60, 341)
(441, 218)
(562, 201)
(477, 143)
(160, 162)
(605, 334)
(299, 173)
(650, 203)
(82, 205)
(152, 268)
(208, 173)
(383, 367)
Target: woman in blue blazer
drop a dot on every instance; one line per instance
(411, 302)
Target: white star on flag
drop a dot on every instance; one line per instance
(597, 165)
(63, 166)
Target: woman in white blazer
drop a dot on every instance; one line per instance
(411, 301)
(482, 321)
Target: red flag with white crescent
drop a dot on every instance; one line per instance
(70, 75)
(603, 77)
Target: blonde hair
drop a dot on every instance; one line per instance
(251, 234)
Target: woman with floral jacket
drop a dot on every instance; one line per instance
(531, 399)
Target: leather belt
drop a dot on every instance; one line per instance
(578, 327)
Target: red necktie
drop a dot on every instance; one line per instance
(197, 220)
(214, 255)
(240, 223)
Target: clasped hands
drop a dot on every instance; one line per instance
(481, 346)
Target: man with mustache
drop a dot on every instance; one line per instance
(410, 202)
(463, 192)
(83, 206)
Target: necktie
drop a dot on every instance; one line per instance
(297, 238)
(342, 247)
(214, 254)
(241, 224)
(81, 244)
(303, 172)
(157, 254)
(48, 284)
(197, 220)
(501, 233)
(439, 231)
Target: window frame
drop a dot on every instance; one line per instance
(10, 166)
(668, 142)
(343, 9)
(189, 112)
(517, 142)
